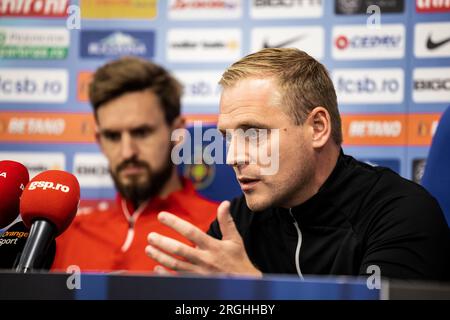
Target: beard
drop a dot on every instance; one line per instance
(139, 191)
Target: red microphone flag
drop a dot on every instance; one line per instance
(52, 195)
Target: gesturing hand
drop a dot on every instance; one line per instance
(209, 256)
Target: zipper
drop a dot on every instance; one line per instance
(299, 245)
(131, 223)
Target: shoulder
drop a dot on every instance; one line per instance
(377, 196)
(401, 227)
(374, 187)
(393, 191)
(94, 212)
(397, 208)
(91, 217)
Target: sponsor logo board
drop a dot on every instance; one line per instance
(33, 43)
(34, 8)
(432, 40)
(377, 129)
(352, 42)
(308, 39)
(32, 127)
(431, 85)
(109, 44)
(432, 6)
(39, 127)
(123, 9)
(364, 129)
(33, 85)
(200, 87)
(389, 129)
(349, 7)
(204, 9)
(421, 128)
(92, 170)
(369, 86)
(276, 9)
(204, 45)
(36, 162)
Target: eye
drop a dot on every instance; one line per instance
(252, 133)
(141, 133)
(111, 136)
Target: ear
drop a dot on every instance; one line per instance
(178, 123)
(320, 122)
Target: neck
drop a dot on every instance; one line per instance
(171, 185)
(325, 161)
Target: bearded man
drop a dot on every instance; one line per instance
(136, 106)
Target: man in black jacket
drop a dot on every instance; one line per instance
(320, 211)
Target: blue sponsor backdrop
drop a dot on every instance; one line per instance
(113, 44)
(151, 38)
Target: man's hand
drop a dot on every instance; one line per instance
(209, 256)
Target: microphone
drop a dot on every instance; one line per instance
(13, 179)
(12, 242)
(47, 206)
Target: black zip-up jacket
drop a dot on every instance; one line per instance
(361, 216)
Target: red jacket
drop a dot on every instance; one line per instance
(105, 239)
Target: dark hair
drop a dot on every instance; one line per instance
(129, 74)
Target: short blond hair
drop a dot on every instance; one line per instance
(303, 81)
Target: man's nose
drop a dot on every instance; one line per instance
(128, 147)
(236, 152)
